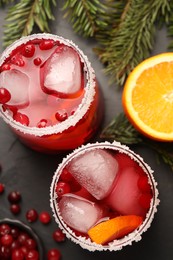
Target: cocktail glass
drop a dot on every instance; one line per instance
(99, 182)
(49, 95)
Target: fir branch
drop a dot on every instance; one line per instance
(121, 130)
(85, 15)
(170, 26)
(22, 17)
(132, 41)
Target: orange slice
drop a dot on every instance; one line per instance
(148, 97)
(115, 228)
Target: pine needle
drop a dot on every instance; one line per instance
(22, 17)
(133, 39)
(121, 130)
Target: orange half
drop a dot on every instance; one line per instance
(148, 97)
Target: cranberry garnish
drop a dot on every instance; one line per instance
(28, 50)
(62, 188)
(4, 229)
(58, 235)
(17, 254)
(143, 184)
(17, 60)
(66, 175)
(31, 215)
(21, 118)
(46, 44)
(43, 123)
(14, 197)
(6, 240)
(32, 255)
(61, 116)
(15, 209)
(2, 187)
(5, 95)
(145, 200)
(44, 217)
(37, 61)
(54, 254)
(5, 67)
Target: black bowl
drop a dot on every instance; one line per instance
(23, 227)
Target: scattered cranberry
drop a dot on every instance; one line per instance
(62, 188)
(53, 254)
(28, 50)
(15, 209)
(2, 187)
(37, 61)
(44, 217)
(61, 116)
(31, 215)
(46, 44)
(58, 235)
(14, 197)
(5, 95)
(21, 118)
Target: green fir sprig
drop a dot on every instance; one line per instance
(22, 17)
(121, 130)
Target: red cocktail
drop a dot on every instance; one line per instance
(48, 93)
(104, 196)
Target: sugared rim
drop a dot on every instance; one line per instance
(115, 244)
(82, 108)
(28, 229)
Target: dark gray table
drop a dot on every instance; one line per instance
(31, 173)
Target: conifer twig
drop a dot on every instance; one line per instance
(121, 130)
(22, 17)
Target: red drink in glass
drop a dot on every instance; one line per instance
(48, 93)
(104, 187)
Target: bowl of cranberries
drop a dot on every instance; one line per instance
(19, 241)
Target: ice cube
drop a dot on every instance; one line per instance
(125, 196)
(61, 73)
(17, 83)
(96, 171)
(74, 210)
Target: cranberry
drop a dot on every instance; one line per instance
(62, 188)
(22, 238)
(24, 250)
(66, 176)
(14, 197)
(4, 229)
(15, 232)
(54, 254)
(17, 60)
(61, 116)
(32, 255)
(5, 252)
(44, 217)
(37, 61)
(28, 50)
(21, 118)
(30, 244)
(143, 184)
(5, 67)
(17, 254)
(46, 44)
(31, 215)
(15, 245)
(5, 95)
(6, 240)
(15, 209)
(43, 123)
(145, 200)
(58, 235)
(2, 187)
